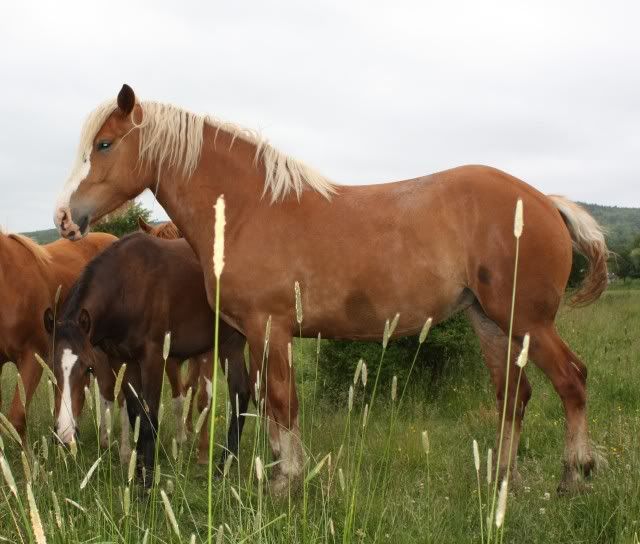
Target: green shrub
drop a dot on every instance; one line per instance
(124, 220)
(447, 343)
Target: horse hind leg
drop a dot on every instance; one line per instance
(494, 344)
(568, 374)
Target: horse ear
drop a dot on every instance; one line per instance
(48, 320)
(84, 320)
(126, 100)
(143, 224)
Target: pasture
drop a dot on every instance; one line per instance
(395, 491)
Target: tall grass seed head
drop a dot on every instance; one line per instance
(8, 475)
(502, 504)
(476, 455)
(521, 361)
(218, 237)
(425, 330)
(425, 442)
(259, 469)
(518, 222)
(34, 514)
(166, 346)
(119, 378)
(356, 376)
(299, 314)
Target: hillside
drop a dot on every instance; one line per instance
(622, 224)
(43, 236)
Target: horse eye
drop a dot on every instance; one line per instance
(103, 145)
(90, 370)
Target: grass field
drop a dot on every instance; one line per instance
(401, 493)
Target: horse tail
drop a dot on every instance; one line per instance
(588, 238)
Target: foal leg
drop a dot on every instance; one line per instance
(494, 343)
(282, 402)
(177, 396)
(151, 377)
(232, 353)
(30, 373)
(568, 374)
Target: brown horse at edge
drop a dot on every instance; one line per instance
(30, 275)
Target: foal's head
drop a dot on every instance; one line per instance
(73, 360)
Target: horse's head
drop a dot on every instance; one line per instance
(106, 172)
(73, 360)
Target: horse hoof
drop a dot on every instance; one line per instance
(570, 488)
(281, 485)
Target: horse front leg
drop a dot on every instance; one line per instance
(151, 377)
(277, 380)
(30, 372)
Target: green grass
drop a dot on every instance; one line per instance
(398, 503)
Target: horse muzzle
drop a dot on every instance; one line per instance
(68, 228)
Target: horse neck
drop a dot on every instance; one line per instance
(227, 167)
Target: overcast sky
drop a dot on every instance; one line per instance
(363, 91)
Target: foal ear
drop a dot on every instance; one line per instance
(126, 100)
(48, 320)
(144, 225)
(84, 320)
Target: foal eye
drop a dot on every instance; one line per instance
(103, 145)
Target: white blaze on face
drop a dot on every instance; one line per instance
(66, 424)
(79, 173)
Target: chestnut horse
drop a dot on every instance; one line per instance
(30, 275)
(122, 305)
(429, 246)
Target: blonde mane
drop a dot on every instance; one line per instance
(172, 137)
(40, 253)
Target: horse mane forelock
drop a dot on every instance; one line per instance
(172, 137)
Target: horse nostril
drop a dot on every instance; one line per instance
(72, 233)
